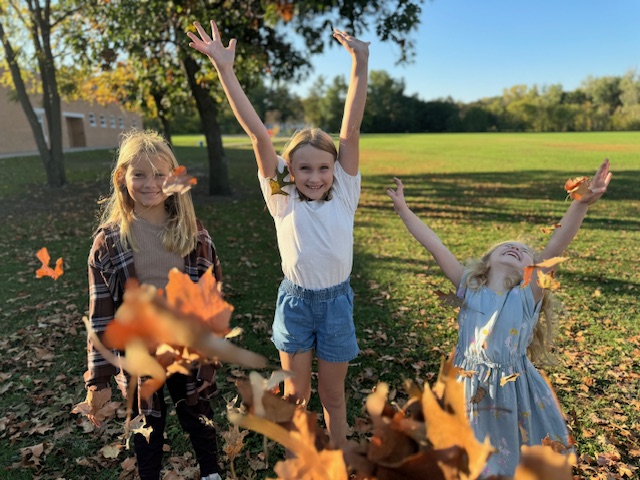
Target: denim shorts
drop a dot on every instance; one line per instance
(320, 319)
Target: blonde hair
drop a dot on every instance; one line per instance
(540, 348)
(316, 138)
(309, 136)
(180, 233)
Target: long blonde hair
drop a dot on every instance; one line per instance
(540, 348)
(180, 233)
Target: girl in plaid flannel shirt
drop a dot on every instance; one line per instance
(144, 233)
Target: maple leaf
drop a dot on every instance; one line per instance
(309, 463)
(277, 184)
(577, 187)
(234, 442)
(162, 335)
(178, 181)
(551, 228)
(548, 263)
(45, 270)
(548, 281)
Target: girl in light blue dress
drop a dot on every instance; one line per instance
(504, 323)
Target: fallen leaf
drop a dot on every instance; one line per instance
(550, 229)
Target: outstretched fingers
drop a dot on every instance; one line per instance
(602, 178)
(398, 193)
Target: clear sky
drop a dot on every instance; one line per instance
(470, 49)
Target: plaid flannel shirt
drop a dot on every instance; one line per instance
(110, 266)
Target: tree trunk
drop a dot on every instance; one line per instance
(166, 123)
(52, 158)
(208, 110)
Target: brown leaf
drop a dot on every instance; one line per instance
(178, 181)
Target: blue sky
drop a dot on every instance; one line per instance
(469, 49)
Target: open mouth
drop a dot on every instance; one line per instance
(514, 254)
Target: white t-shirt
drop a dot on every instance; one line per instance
(315, 238)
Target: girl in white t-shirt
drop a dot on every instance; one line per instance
(314, 217)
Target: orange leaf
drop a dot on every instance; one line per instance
(547, 281)
(577, 187)
(178, 181)
(548, 263)
(45, 270)
(508, 378)
(202, 300)
(551, 228)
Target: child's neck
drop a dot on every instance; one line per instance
(496, 278)
(156, 214)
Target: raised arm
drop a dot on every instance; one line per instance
(449, 264)
(223, 58)
(349, 150)
(572, 219)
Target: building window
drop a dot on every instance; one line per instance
(134, 124)
(40, 114)
(120, 123)
(92, 120)
(112, 121)
(103, 121)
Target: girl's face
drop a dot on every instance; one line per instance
(312, 171)
(512, 254)
(144, 178)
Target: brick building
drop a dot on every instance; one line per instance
(84, 125)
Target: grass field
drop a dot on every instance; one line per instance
(472, 189)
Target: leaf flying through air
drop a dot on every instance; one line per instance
(548, 263)
(45, 270)
(577, 187)
(178, 181)
(277, 184)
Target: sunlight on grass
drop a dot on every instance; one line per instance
(472, 189)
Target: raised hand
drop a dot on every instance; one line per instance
(352, 44)
(598, 185)
(222, 57)
(397, 195)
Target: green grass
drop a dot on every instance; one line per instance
(472, 189)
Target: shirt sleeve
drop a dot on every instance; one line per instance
(101, 312)
(277, 204)
(346, 187)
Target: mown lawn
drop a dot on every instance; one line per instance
(473, 189)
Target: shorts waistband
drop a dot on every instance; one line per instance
(322, 294)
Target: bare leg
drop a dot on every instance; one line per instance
(331, 377)
(299, 364)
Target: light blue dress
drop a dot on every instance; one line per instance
(495, 330)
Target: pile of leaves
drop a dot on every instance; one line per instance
(429, 437)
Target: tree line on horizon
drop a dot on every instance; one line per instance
(599, 104)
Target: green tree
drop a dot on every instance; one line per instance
(28, 36)
(156, 28)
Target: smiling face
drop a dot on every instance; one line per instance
(312, 171)
(512, 254)
(144, 178)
